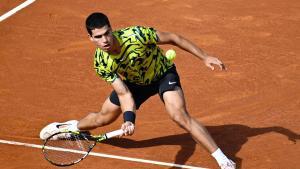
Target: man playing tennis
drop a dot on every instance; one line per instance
(131, 61)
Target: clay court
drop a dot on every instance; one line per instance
(251, 110)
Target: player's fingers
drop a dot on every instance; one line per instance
(126, 132)
(124, 128)
(128, 129)
(222, 66)
(219, 63)
(210, 66)
(131, 129)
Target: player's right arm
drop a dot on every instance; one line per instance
(127, 105)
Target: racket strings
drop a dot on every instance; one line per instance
(67, 148)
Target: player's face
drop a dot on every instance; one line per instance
(103, 38)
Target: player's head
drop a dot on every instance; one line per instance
(100, 32)
(96, 20)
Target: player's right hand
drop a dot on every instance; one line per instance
(128, 128)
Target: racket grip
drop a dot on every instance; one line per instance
(114, 133)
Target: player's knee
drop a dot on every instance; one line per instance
(182, 119)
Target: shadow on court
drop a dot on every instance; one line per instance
(230, 138)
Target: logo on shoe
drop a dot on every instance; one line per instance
(59, 125)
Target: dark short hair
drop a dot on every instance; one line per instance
(96, 20)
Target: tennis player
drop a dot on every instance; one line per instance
(131, 61)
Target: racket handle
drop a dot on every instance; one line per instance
(114, 133)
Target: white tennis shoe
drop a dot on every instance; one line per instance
(56, 127)
(228, 165)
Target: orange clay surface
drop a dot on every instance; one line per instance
(251, 110)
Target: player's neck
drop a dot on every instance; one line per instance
(116, 49)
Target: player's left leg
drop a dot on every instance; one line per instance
(175, 106)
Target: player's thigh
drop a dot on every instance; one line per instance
(175, 103)
(176, 108)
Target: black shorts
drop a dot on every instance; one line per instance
(168, 82)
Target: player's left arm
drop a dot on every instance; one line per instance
(185, 44)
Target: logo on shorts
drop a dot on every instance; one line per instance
(170, 83)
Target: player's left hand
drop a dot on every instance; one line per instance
(128, 128)
(209, 61)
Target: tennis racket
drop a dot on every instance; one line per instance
(69, 148)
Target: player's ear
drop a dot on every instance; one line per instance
(90, 37)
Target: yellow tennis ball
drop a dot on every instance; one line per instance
(171, 54)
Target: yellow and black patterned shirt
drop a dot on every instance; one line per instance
(140, 61)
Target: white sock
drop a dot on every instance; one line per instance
(220, 156)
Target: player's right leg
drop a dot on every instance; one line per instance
(108, 114)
